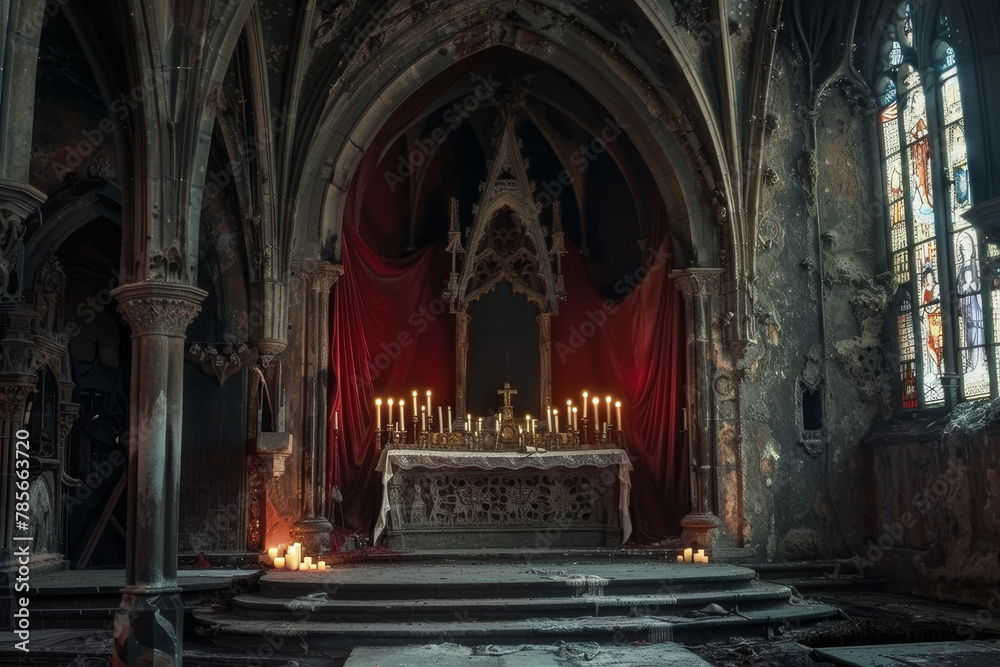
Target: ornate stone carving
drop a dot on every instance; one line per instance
(318, 276)
(167, 264)
(220, 360)
(48, 291)
(158, 308)
(697, 281)
(255, 504)
(450, 499)
(13, 396)
(269, 349)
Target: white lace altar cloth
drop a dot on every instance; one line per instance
(405, 459)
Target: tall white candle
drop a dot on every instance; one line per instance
(440, 421)
(449, 419)
(415, 402)
(402, 415)
(584, 405)
(429, 411)
(479, 427)
(575, 427)
(555, 415)
(378, 412)
(468, 422)
(423, 419)
(618, 409)
(608, 401)
(550, 418)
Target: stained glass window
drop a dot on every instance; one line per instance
(934, 250)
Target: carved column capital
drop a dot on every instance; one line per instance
(697, 281)
(14, 390)
(318, 276)
(158, 308)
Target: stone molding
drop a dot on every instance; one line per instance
(158, 308)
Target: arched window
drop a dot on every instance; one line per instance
(940, 323)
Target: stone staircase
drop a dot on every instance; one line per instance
(469, 602)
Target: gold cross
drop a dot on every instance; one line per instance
(506, 391)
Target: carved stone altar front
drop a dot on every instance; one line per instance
(471, 500)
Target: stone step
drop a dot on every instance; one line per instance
(236, 630)
(490, 581)
(321, 607)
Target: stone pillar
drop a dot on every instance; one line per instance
(149, 621)
(313, 531)
(461, 364)
(545, 362)
(14, 390)
(699, 286)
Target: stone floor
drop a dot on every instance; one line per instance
(876, 628)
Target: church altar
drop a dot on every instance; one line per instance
(514, 499)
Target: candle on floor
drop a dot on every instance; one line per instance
(272, 553)
(303, 567)
(308, 560)
(680, 558)
(279, 563)
(378, 412)
(313, 567)
(688, 553)
(618, 408)
(321, 565)
(584, 405)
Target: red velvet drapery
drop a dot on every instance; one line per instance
(391, 333)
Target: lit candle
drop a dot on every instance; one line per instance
(527, 420)
(618, 409)
(555, 415)
(687, 555)
(468, 422)
(550, 418)
(584, 405)
(279, 563)
(574, 419)
(480, 426)
(272, 553)
(321, 565)
(313, 566)
(449, 419)
(569, 407)
(429, 411)
(415, 402)
(402, 416)
(608, 399)
(597, 417)
(303, 567)
(680, 558)
(308, 560)
(440, 421)
(700, 556)
(378, 412)
(423, 418)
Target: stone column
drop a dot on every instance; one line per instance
(545, 362)
(149, 621)
(461, 364)
(699, 286)
(313, 531)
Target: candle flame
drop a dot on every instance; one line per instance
(378, 401)
(618, 404)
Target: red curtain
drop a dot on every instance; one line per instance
(391, 333)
